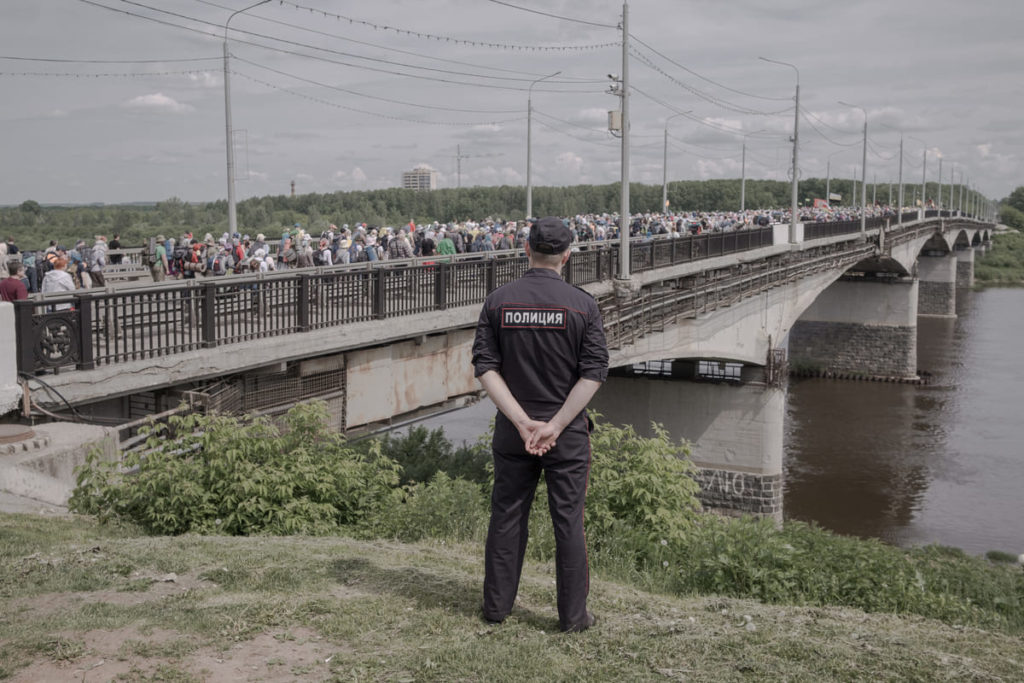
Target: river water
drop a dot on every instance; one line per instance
(937, 463)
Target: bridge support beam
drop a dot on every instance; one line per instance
(736, 431)
(862, 327)
(10, 391)
(938, 285)
(965, 267)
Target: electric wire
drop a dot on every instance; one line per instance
(369, 44)
(376, 97)
(605, 143)
(703, 95)
(449, 39)
(340, 53)
(825, 137)
(686, 114)
(109, 74)
(357, 110)
(553, 16)
(109, 61)
(281, 50)
(705, 78)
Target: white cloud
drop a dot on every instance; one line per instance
(158, 102)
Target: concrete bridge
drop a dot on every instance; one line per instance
(383, 342)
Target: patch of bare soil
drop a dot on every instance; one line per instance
(159, 587)
(126, 654)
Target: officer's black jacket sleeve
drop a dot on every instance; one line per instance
(486, 349)
(593, 354)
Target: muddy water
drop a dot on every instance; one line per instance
(939, 463)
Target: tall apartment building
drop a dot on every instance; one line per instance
(420, 178)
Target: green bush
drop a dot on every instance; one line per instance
(803, 564)
(224, 475)
(423, 453)
(443, 508)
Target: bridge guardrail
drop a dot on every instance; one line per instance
(94, 327)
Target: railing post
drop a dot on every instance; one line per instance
(83, 306)
(569, 271)
(379, 292)
(441, 285)
(492, 275)
(26, 340)
(302, 312)
(208, 313)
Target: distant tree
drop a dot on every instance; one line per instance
(31, 206)
(1016, 199)
(1011, 216)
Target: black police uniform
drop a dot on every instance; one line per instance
(541, 335)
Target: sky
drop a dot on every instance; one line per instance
(121, 101)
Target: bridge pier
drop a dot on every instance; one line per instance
(10, 391)
(965, 267)
(938, 276)
(865, 326)
(736, 428)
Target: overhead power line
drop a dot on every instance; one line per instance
(461, 41)
(705, 78)
(340, 53)
(134, 74)
(373, 45)
(391, 117)
(703, 95)
(553, 16)
(436, 79)
(109, 61)
(376, 97)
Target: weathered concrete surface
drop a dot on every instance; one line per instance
(860, 326)
(742, 332)
(392, 380)
(965, 267)
(10, 391)
(46, 473)
(736, 431)
(937, 293)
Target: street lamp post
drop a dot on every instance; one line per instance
(664, 166)
(529, 143)
(796, 145)
(863, 169)
(901, 180)
(939, 204)
(232, 208)
(624, 213)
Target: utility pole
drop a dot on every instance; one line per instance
(232, 206)
(901, 179)
(664, 166)
(924, 178)
(863, 169)
(794, 208)
(940, 184)
(624, 218)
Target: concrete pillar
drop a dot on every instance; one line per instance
(938, 285)
(10, 392)
(863, 327)
(736, 431)
(965, 267)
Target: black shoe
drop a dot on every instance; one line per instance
(493, 622)
(577, 628)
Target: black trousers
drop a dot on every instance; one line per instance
(566, 468)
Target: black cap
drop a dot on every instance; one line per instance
(549, 235)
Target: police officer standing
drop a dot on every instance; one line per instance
(540, 353)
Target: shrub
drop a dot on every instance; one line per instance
(443, 508)
(423, 453)
(217, 474)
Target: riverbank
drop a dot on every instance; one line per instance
(1004, 264)
(84, 600)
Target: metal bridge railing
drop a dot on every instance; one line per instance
(93, 327)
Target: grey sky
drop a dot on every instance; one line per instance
(946, 73)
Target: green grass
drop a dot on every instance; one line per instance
(1004, 264)
(332, 608)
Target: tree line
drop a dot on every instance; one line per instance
(32, 225)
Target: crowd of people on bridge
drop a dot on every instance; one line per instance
(58, 269)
